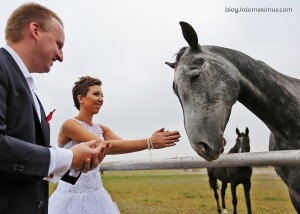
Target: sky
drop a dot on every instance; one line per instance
(126, 43)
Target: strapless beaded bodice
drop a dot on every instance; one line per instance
(90, 181)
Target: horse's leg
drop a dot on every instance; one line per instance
(295, 200)
(234, 199)
(247, 187)
(214, 185)
(223, 192)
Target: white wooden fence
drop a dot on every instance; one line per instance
(270, 158)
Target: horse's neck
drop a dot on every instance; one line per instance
(238, 149)
(270, 95)
(235, 149)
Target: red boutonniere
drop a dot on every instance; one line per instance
(49, 117)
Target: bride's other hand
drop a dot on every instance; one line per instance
(97, 158)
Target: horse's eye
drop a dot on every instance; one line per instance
(193, 78)
(194, 75)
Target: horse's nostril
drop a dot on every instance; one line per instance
(201, 146)
(204, 150)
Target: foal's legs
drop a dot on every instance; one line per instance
(214, 185)
(223, 191)
(295, 200)
(234, 198)
(247, 186)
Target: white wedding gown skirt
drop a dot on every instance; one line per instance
(88, 199)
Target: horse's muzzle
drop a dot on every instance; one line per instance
(204, 150)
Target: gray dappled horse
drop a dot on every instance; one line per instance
(233, 175)
(208, 80)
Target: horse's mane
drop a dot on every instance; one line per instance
(180, 53)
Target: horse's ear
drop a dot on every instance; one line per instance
(237, 131)
(190, 36)
(171, 64)
(247, 131)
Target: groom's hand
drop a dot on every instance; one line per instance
(97, 158)
(88, 155)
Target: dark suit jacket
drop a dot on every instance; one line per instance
(24, 156)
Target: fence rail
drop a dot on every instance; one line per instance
(270, 158)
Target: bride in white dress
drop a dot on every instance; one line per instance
(88, 196)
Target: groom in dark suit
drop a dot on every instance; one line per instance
(35, 38)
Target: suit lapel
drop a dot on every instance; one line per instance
(44, 126)
(20, 74)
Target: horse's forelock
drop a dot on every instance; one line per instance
(180, 53)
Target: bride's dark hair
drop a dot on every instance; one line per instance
(81, 87)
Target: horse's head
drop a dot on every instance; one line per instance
(243, 140)
(206, 85)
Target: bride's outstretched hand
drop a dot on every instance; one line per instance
(164, 138)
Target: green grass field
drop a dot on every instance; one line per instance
(188, 192)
